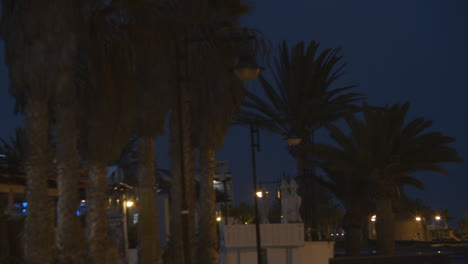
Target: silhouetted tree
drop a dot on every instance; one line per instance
(300, 101)
(383, 150)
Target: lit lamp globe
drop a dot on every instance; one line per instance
(294, 141)
(246, 69)
(259, 194)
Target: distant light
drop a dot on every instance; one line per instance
(23, 211)
(25, 204)
(418, 218)
(438, 217)
(245, 223)
(2, 156)
(438, 251)
(259, 194)
(218, 218)
(83, 201)
(331, 234)
(129, 203)
(337, 234)
(78, 213)
(373, 218)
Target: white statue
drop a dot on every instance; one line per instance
(295, 201)
(285, 201)
(290, 202)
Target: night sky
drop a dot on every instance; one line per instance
(396, 51)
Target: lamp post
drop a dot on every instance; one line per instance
(255, 146)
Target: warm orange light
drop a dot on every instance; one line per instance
(259, 194)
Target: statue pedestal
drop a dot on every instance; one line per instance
(284, 244)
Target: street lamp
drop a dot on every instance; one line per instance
(255, 146)
(246, 68)
(438, 218)
(259, 194)
(418, 218)
(129, 203)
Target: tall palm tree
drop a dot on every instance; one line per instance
(302, 98)
(198, 53)
(354, 192)
(34, 48)
(384, 150)
(69, 229)
(105, 116)
(152, 77)
(214, 106)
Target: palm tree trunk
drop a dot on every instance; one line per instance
(69, 233)
(150, 250)
(97, 213)
(176, 238)
(385, 227)
(183, 157)
(208, 241)
(38, 224)
(353, 234)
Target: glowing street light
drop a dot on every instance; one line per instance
(373, 218)
(129, 203)
(259, 194)
(417, 218)
(438, 218)
(218, 218)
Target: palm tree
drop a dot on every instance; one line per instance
(69, 229)
(354, 192)
(152, 70)
(33, 46)
(105, 116)
(301, 100)
(197, 60)
(384, 150)
(214, 105)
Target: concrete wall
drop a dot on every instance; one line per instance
(309, 253)
(413, 259)
(411, 230)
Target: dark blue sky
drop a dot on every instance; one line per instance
(396, 50)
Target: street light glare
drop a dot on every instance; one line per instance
(129, 203)
(218, 218)
(259, 194)
(418, 218)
